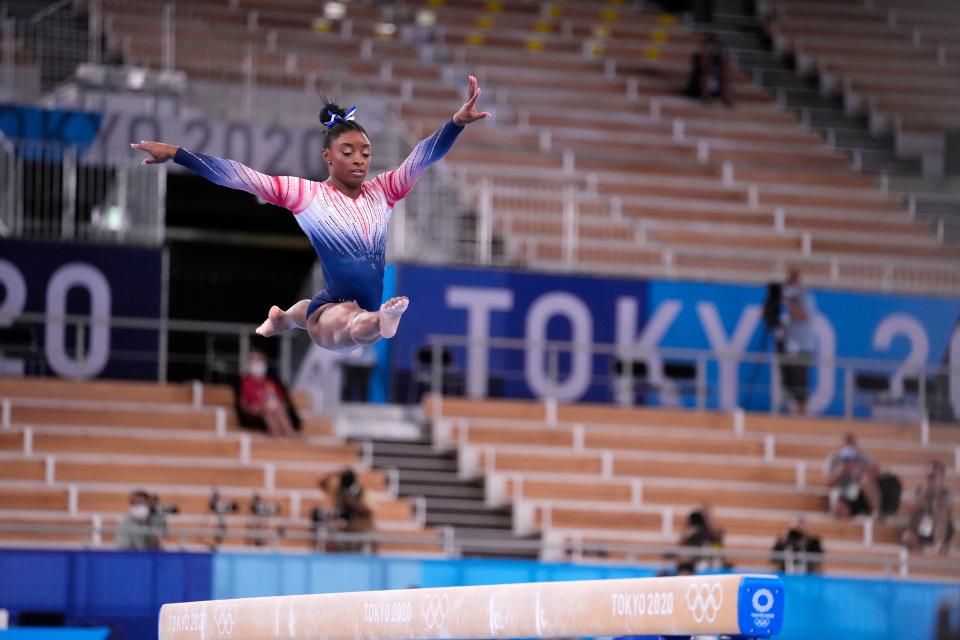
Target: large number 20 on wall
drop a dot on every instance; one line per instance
(99, 285)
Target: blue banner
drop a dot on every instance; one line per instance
(104, 138)
(98, 282)
(640, 318)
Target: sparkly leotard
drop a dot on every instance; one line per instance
(349, 235)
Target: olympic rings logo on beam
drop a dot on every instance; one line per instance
(225, 615)
(704, 601)
(435, 609)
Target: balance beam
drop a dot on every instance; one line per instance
(744, 605)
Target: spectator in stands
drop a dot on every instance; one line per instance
(701, 532)
(139, 531)
(796, 543)
(852, 478)
(351, 513)
(262, 401)
(948, 619)
(931, 517)
(710, 75)
(799, 340)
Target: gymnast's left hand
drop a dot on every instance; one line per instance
(468, 112)
(158, 152)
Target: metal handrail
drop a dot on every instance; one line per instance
(48, 11)
(759, 357)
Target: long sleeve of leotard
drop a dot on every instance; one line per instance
(397, 183)
(286, 191)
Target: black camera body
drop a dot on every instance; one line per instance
(263, 509)
(166, 509)
(220, 506)
(773, 306)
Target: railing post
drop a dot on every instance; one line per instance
(922, 392)
(81, 343)
(95, 37)
(701, 382)
(9, 65)
(436, 371)
(123, 194)
(249, 72)
(169, 38)
(848, 391)
(163, 323)
(485, 223)
(159, 210)
(68, 225)
(286, 358)
(553, 369)
(243, 349)
(776, 385)
(569, 227)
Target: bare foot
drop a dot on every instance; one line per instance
(390, 313)
(276, 323)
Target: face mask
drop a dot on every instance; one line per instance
(848, 453)
(140, 511)
(258, 369)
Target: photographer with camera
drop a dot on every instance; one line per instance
(351, 513)
(260, 513)
(702, 533)
(931, 518)
(796, 545)
(145, 522)
(797, 340)
(220, 509)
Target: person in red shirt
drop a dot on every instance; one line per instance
(262, 397)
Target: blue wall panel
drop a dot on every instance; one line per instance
(109, 588)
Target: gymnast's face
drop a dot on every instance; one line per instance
(348, 158)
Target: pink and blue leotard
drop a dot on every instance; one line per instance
(349, 235)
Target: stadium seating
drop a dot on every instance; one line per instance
(899, 67)
(73, 451)
(594, 473)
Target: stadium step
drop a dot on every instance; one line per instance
(450, 500)
(462, 491)
(779, 77)
(414, 463)
(475, 520)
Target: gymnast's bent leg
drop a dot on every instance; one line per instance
(344, 326)
(279, 320)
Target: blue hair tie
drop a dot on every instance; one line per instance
(335, 117)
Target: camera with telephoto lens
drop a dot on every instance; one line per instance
(158, 508)
(772, 306)
(220, 506)
(263, 509)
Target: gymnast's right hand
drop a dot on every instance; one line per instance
(158, 152)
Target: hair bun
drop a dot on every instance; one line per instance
(332, 109)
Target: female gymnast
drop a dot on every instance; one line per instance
(344, 217)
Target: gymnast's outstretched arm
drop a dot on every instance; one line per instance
(285, 191)
(397, 183)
